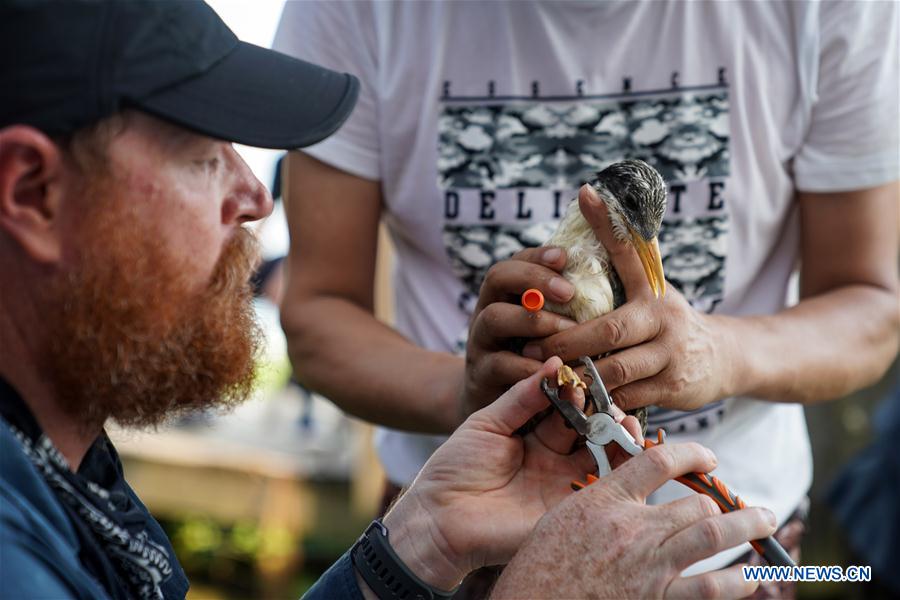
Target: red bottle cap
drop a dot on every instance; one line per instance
(533, 300)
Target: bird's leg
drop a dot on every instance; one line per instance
(566, 376)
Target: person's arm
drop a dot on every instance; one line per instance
(333, 204)
(336, 344)
(844, 332)
(340, 582)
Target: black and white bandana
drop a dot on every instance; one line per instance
(122, 546)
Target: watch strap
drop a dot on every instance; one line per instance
(385, 572)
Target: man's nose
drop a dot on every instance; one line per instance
(248, 200)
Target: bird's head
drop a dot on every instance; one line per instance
(635, 197)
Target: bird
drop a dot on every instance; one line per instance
(635, 197)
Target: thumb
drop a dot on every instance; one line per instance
(513, 409)
(622, 254)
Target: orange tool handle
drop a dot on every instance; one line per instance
(715, 488)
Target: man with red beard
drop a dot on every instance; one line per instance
(124, 264)
(124, 271)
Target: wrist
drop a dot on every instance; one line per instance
(416, 538)
(448, 391)
(733, 358)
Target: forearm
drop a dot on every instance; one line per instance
(341, 351)
(824, 347)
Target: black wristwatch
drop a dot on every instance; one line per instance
(383, 570)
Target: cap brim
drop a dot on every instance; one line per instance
(259, 97)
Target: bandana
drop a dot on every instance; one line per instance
(122, 546)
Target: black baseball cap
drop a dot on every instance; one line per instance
(65, 64)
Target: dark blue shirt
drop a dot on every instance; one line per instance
(46, 553)
(38, 545)
(46, 550)
(337, 583)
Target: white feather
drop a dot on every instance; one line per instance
(587, 265)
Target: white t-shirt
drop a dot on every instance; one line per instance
(481, 119)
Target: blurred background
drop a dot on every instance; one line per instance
(259, 502)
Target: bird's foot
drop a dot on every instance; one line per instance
(566, 376)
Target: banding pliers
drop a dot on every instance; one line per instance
(600, 428)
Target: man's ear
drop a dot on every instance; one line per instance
(31, 174)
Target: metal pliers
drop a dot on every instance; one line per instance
(601, 428)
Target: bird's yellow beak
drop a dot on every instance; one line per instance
(652, 261)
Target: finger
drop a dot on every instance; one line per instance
(493, 374)
(715, 534)
(552, 432)
(633, 364)
(622, 254)
(633, 426)
(624, 327)
(617, 413)
(725, 583)
(501, 320)
(679, 514)
(646, 392)
(511, 410)
(512, 277)
(643, 474)
(501, 369)
(614, 453)
(549, 256)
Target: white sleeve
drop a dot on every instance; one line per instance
(340, 36)
(853, 140)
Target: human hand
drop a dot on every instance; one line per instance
(479, 496)
(606, 542)
(492, 364)
(664, 352)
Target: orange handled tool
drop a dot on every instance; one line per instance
(715, 488)
(533, 300)
(601, 429)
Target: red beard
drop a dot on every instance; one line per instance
(130, 340)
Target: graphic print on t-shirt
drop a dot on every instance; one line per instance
(509, 165)
(473, 249)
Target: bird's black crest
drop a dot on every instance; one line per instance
(640, 192)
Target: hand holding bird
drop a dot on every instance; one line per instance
(608, 277)
(663, 351)
(492, 365)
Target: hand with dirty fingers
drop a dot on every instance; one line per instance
(492, 363)
(661, 351)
